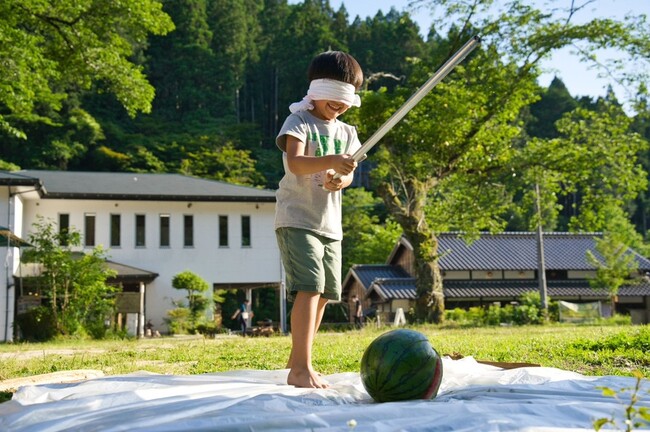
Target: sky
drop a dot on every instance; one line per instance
(580, 81)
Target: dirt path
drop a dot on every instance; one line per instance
(24, 355)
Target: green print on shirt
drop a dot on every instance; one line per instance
(323, 144)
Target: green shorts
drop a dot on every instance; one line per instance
(311, 262)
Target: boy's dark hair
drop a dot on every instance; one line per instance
(336, 65)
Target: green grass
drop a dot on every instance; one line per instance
(588, 349)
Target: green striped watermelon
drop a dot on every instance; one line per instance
(401, 365)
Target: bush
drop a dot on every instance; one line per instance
(37, 324)
(209, 329)
(474, 316)
(528, 311)
(493, 315)
(178, 320)
(527, 314)
(96, 328)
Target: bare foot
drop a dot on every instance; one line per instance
(290, 366)
(305, 378)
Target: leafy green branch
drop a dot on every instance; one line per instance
(635, 417)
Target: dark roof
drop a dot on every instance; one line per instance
(505, 251)
(456, 289)
(366, 274)
(394, 288)
(8, 178)
(137, 186)
(518, 251)
(126, 272)
(123, 272)
(555, 289)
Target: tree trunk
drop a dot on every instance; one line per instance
(430, 303)
(409, 211)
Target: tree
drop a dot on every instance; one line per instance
(181, 65)
(73, 283)
(383, 43)
(368, 239)
(553, 103)
(450, 163)
(615, 266)
(641, 125)
(235, 29)
(221, 162)
(50, 48)
(195, 286)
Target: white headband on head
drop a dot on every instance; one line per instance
(327, 89)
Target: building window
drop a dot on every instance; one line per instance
(89, 229)
(140, 237)
(188, 230)
(246, 231)
(164, 230)
(64, 228)
(116, 228)
(223, 231)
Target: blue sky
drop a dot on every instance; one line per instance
(576, 76)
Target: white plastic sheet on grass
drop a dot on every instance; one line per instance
(473, 397)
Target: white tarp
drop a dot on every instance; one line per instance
(473, 397)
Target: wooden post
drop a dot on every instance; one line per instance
(141, 313)
(541, 266)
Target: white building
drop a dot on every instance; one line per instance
(154, 226)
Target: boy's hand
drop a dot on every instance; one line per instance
(343, 164)
(332, 184)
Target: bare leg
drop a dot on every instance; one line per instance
(304, 317)
(322, 302)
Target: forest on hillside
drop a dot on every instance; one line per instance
(201, 87)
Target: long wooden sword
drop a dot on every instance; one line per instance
(415, 98)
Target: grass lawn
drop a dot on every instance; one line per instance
(587, 349)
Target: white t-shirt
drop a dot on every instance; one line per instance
(301, 200)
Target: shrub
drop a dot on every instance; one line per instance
(209, 329)
(178, 320)
(493, 315)
(37, 324)
(526, 314)
(456, 314)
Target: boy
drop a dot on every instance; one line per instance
(315, 147)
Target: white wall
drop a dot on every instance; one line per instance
(5, 293)
(233, 264)
(11, 217)
(585, 274)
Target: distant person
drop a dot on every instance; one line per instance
(358, 311)
(148, 328)
(316, 146)
(242, 314)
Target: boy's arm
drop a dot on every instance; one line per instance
(300, 164)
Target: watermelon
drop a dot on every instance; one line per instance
(401, 365)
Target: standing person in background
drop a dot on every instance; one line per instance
(243, 313)
(358, 311)
(316, 146)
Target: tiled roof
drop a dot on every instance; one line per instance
(518, 251)
(366, 274)
(515, 288)
(140, 186)
(405, 289)
(394, 288)
(505, 251)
